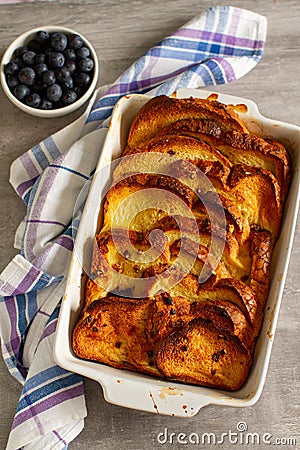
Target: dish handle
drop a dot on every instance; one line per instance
(158, 397)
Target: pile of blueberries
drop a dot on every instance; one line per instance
(52, 71)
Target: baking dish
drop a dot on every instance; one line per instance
(142, 392)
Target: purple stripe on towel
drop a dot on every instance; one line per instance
(46, 222)
(14, 340)
(228, 70)
(27, 281)
(47, 404)
(23, 187)
(235, 20)
(66, 242)
(50, 329)
(37, 208)
(7, 288)
(219, 37)
(152, 81)
(59, 437)
(28, 165)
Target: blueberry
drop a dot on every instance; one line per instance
(21, 91)
(34, 46)
(40, 69)
(12, 81)
(82, 79)
(79, 90)
(27, 76)
(40, 58)
(59, 41)
(20, 63)
(39, 87)
(49, 77)
(20, 51)
(69, 97)
(46, 104)
(33, 100)
(54, 92)
(64, 78)
(70, 66)
(11, 68)
(69, 54)
(29, 57)
(48, 51)
(42, 36)
(75, 41)
(56, 59)
(85, 64)
(82, 52)
(62, 73)
(67, 83)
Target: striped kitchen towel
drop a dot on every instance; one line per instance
(216, 47)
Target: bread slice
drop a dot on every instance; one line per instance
(247, 272)
(260, 276)
(238, 148)
(121, 258)
(171, 311)
(245, 190)
(135, 334)
(234, 292)
(202, 353)
(177, 146)
(112, 331)
(130, 197)
(162, 111)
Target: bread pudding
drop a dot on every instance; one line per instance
(180, 271)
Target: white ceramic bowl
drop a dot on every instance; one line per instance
(23, 39)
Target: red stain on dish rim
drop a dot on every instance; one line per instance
(154, 403)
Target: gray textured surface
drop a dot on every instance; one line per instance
(121, 31)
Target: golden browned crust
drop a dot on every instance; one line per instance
(202, 353)
(163, 110)
(148, 342)
(198, 329)
(238, 147)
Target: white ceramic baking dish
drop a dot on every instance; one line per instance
(138, 391)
